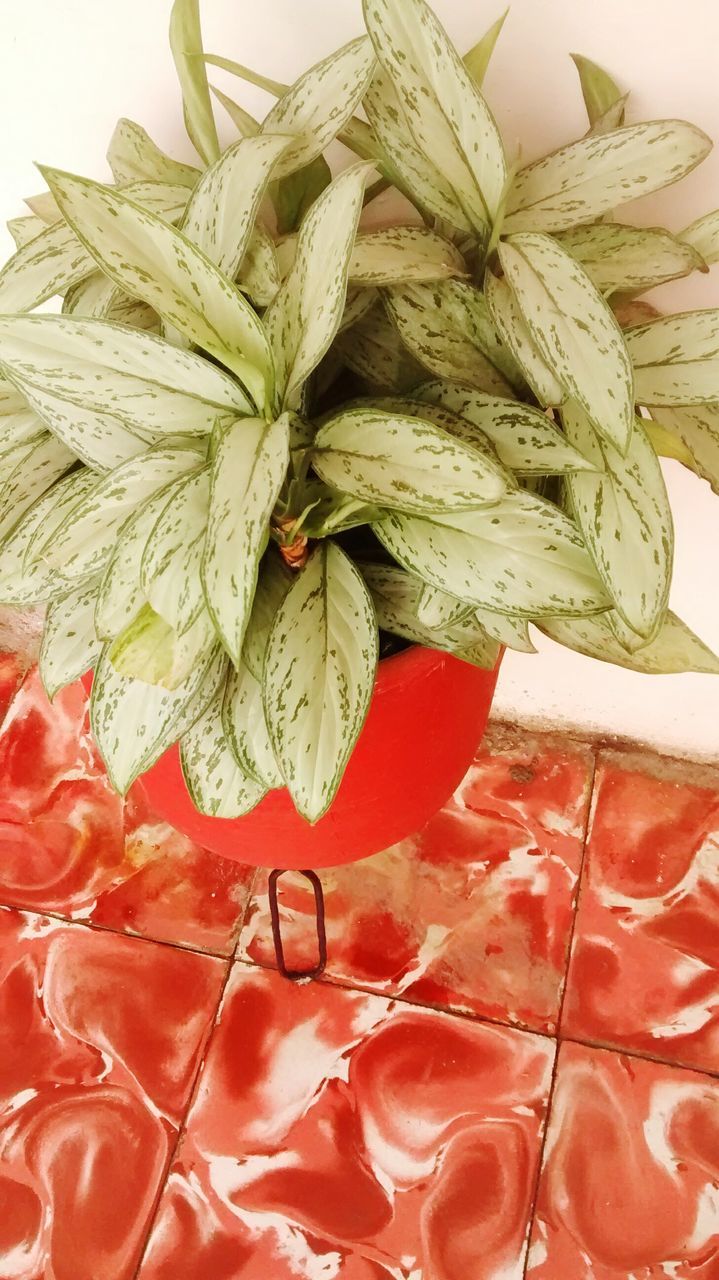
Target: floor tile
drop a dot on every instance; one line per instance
(338, 1136)
(70, 846)
(102, 1037)
(475, 912)
(645, 964)
(630, 1180)
(12, 670)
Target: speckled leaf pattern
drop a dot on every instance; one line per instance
(526, 441)
(402, 254)
(70, 643)
(186, 45)
(134, 157)
(448, 328)
(99, 439)
(24, 580)
(154, 262)
(697, 428)
(317, 107)
(703, 237)
(23, 230)
(273, 583)
(49, 264)
(172, 558)
(259, 274)
(85, 540)
(319, 676)
(675, 649)
(624, 514)
(133, 723)
(575, 331)
(630, 258)
(512, 329)
(398, 461)
(676, 359)
(306, 313)
(27, 472)
(436, 609)
(243, 717)
(521, 556)
(397, 598)
(511, 632)
(247, 471)
(372, 347)
(218, 785)
(149, 649)
(139, 378)
(19, 423)
(445, 111)
(120, 594)
(91, 296)
(582, 181)
(222, 209)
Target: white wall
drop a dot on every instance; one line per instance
(70, 68)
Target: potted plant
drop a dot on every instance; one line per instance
(276, 475)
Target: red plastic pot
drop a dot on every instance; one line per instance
(427, 716)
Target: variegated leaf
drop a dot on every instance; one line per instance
(526, 441)
(623, 511)
(514, 333)
(243, 717)
(403, 254)
(247, 472)
(172, 558)
(222, 209)
(599, 90)
(245, 124)
(397, 595)
(120, 595)
(703, 237)
(23, 230)
(403, 462)
(131, 312)
(259, 275)
(447, 327)
(154, 262)
(134, 157)
(319, 676)
(27, 472)
(582, 181)
(219, 787)
(187, 51)
(19, 424)
(85, 540)
(134, 723)
(149, 649)
(22, 580)
(574, 330)
(521, 556)
(696, 427)
(477, 59)
(372, 348)
(435, 609)
(70, 643)
(166, 200)
(676, 359)
(673, 650)
(145, 382)
(98, 439)
(273, 582)
(443, 108)
(511, 632)
(91, 296)
(49, 264)
(306, 313)
(359, 302)
(628, 259)
(317, 107)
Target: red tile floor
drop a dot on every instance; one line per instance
(510, 1068)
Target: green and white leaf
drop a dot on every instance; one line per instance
(50, 263)
(703, 237)
(156, 263)
(22, 580)
(448, 328)
(139, 378)
(120, 595)
(359, 302)
(219, 787)
(399, 461)
(372, 348)
(243, 717)
(623, 511)
(435, 609)
(696, 427)
(628, 259)
(28, 471)
(134, 723)
(70, 643)
(91, 296)
(172, 559)
(245, 124)
(259, 275)
(23, 230)
(397, 598)
(19, 424)
(187, 51)
(586, 179)
(676, 359)
(574, 330)
(403, 254)
(442, 105)
(134, 157)
(248, 470)
(306, 313)
(319, 676)
(317, 107)
(521, 556)
(599, 90)
(526, 441)
(514, 333)
(273, 583)
(98, 439)
(675, 649)
(511, 632)
(149, 649)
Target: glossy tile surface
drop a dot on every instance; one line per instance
(337, 1134)
(474, 913)
(645, 964)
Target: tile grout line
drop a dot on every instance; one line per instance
(557, 1041)
(182, 1126)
